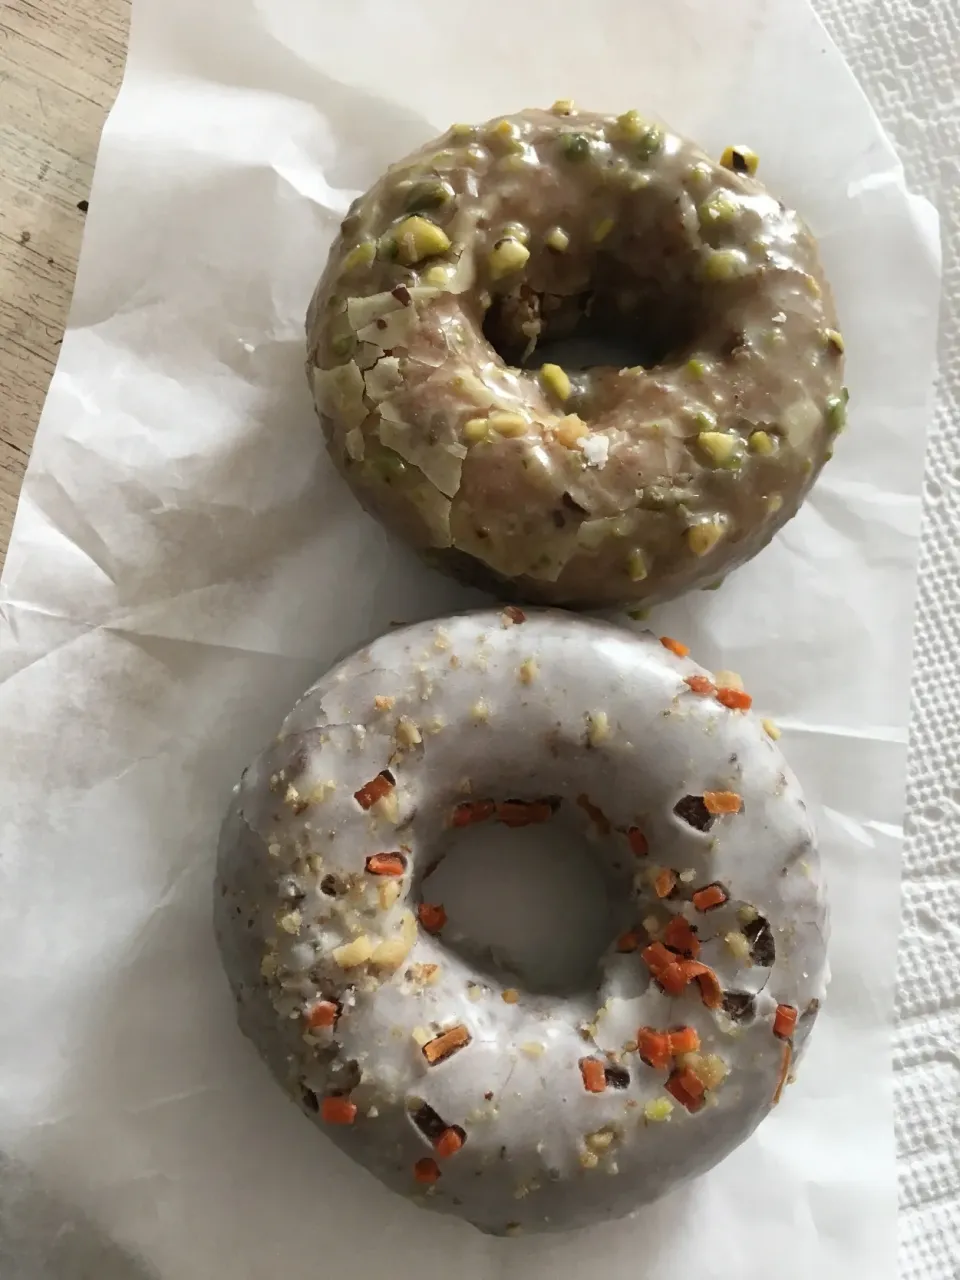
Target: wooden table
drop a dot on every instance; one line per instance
(60, 68)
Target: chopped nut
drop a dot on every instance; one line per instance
(636, 566)
(658, 1109)
(527, 672)
(506, 256)
(418, 238)
(474, 992)
(702, 538)
(761, 442)
(747, 914)
(557, 240)
(770, 729)
(533, 1048)
(354, 953)
(600, 1141)
(362, 255)
(602, 230)
(407, 734)
(721, 448)
(728, 680)
(589, 1160)
(508, 424)
(723, 265)
(740, 160)
(269, 965)
(480, 711)
(556, 380)
(563, 107)
(571, 431)
(739, 945)
(712, 1070)
(598, 728)
(476, 430)
(510, 995)
(383, 703)
(387, 894)
(439, 275)
(835, 340)
(290, 923)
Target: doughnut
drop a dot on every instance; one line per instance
(460, 1086)
(492, 249)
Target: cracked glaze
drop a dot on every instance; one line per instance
(348, 996)
(607, 485)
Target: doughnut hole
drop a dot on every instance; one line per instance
(533, 907)
(640, 301)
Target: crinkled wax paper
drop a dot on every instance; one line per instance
(185, 562)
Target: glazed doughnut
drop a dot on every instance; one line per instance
(610, 485)
(477, 1096)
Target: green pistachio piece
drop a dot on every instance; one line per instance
(697, 367)
(722, 449)
(431, 194)
(575, 146)
(834, 340)
(507, 256)
(516, 231)
(702, 538)
(556, 380)
(649, 143)
(564, 107)
(762, 442)
(558, 240)
(718, 209)
(631, 124)
(636, 566)
(362, 255)
(723, 265)
(836, 413)
(418, 238)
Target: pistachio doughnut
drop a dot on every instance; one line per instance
(468, 1092)
(602, 486)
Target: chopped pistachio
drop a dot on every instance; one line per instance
(439, 275)
(361, 255)
(836, 414)
(432, 193)
(705, 420)
(761, 442)
(507, 255)
(697, 367)
(700, 174)
(563, 107)
(508, 424)
(702, 538)
(557, 240)
(722, 265)
(658, 1109)
(527, 671)
(556, 380)
(571, 431)
(631, 124)
(516, 231)
(636, 566)
(649, 142)
(602, 230)
(476, 430)
(717, 209)
(720, 447)
(506, 134)
(638, 615)
(575, 146)
(474, 157)
(418, 238)
(740, 160)
(462, 131)
(834, 339)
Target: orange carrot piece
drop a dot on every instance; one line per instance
(375, 790)
(386, 864)
(687, 1087)
(638, 842)
(449, 1142)
(465, 815)
(683, 1040)
(673, 978)
(338, 1110)
(680, 936)
(657, 957)
(675, 646)
(594, 1075)
(717, 802)
(700, 684)
(785, 1061)
(710, 990)
(629, 941)
(322, 1014)
(432, 916)
(523, 813)
(446, 1043)
(665, 883)
(426, 1171)
(595, 814)
(735, 699)
(785, 1021)
(709, 897)
(653, 1047)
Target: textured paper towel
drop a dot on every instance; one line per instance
(135, 1130)
(907, 55)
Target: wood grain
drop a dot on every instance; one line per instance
(61, 62)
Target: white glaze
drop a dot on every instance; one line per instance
(505, 710)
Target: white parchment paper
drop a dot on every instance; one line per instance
(185, 562)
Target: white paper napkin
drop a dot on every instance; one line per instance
(184, 562)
